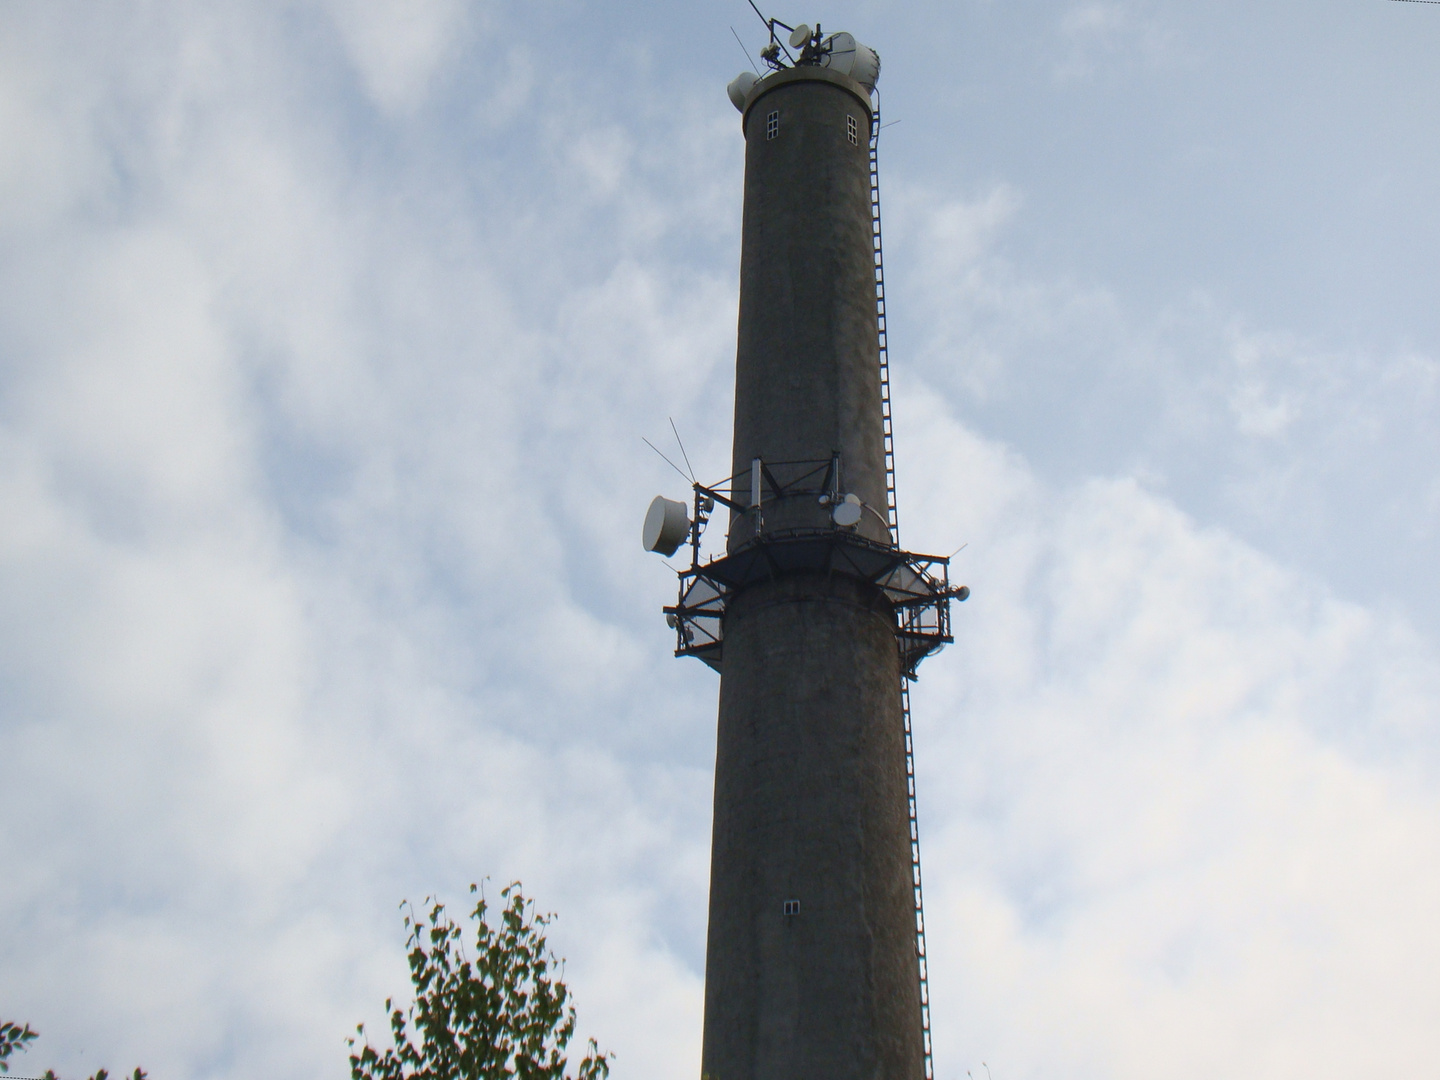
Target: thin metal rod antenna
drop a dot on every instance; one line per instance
(682, 449)
(752, 59)
(665, 459)
(770, 25)
(783, 48)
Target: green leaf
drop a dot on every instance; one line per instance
(503, 1015)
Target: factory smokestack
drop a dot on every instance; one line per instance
(813, 615)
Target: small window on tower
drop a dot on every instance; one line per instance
(792, 907)
(772, 124)
(852, 128)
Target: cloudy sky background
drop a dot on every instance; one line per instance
(328, 335)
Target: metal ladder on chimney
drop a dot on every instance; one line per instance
(889, 431)
(915, 878)
(888, 427)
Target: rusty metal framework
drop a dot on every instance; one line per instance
(917, 586)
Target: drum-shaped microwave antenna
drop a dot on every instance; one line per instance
(739, 88)
(847, 56)
(848, 511)
(666, 525)
(799, 36)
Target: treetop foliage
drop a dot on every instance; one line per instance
(15, 1036)
(506, 1013)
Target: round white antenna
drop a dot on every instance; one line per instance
(799, 36)
(666, 526)
(849, 57)
(739, 88)
(848, 512)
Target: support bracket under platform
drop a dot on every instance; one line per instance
(917, 587)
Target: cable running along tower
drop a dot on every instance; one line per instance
(814, 615)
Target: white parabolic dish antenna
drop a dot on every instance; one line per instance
(848, 512)
(739, 88)
(666, 525)
(799, 36)
(849, 57)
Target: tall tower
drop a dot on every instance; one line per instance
(814, 616)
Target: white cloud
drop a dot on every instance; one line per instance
(1179, 814)
(398, 46)
(319, 582)
(1275, 435)
(1103, 36)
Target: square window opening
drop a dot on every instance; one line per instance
(792, 907)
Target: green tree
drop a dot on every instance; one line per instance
(14, 1037)
(506, 1013)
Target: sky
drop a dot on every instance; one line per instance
(329, 333)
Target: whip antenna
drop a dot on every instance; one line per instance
(682, 449)
(663, 458)
(747, 51)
